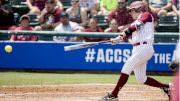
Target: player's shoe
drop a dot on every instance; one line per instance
(109, 97)
(168, 90)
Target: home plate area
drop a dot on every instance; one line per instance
(79, 92)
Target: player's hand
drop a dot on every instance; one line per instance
(116, 40)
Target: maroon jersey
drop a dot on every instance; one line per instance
(39, 3)
(93, 39)
(24, 37)
(53, 17)
(122, 17)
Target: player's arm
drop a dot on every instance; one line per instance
(146, 17)
(29, 4)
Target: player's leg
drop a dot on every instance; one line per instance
(133, 61)
(140, 73)
(152, 82)
(155, 83)
(141, 77)
(125, 72)
(139, 57)
(127, 69)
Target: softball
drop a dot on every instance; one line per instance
(8, 48)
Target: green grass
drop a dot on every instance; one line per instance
(24, 78)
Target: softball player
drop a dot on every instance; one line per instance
(142, 32)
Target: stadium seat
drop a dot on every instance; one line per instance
(7, 1)
(166, 37)
(19, 6)
(33, 20)
(66, 3)
(168, 24)
(16, 18)
(102, 21)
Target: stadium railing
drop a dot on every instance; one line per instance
(164, 37)
(102, 21)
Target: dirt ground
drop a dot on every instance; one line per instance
(79, 92)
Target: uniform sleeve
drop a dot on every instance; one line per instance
(145, 17)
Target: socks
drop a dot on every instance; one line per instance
(150, 82)
(154, 83)
(121, 82)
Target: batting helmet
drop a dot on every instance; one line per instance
(138, 5)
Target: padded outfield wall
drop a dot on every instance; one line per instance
(49, 55)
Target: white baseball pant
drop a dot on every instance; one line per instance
(138, 61)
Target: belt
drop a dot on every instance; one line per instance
(139, 43)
